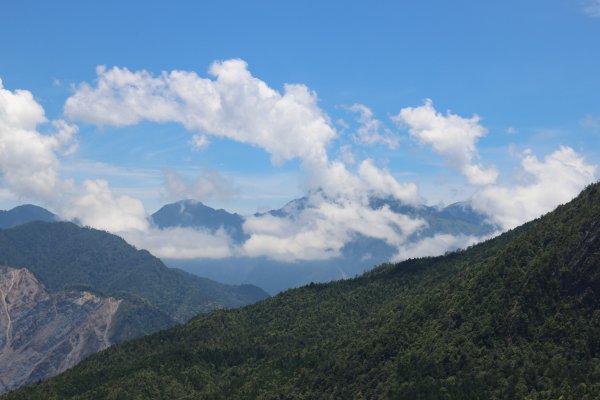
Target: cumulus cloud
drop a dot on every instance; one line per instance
(450, 135)
(95, 205)
(234, 105)
(209, 184)
(556, 179)
(371, 130)
(28, 158)
(339, 182)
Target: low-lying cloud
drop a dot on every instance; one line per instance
(543, 185)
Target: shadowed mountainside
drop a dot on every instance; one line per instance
(23, 214)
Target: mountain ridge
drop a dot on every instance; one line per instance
(107, 263)
(357, 256)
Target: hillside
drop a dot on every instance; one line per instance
(514, 317)
(70, 265)
(62, 255)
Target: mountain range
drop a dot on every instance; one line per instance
(516, 316)
(357, 256)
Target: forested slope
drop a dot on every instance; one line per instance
(63, 255)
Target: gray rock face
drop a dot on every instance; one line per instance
(43, 334)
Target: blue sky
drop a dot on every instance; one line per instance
(528, 69)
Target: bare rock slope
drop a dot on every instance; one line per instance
(43, 334)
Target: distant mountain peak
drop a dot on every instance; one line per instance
(23, 214)
(194, 214)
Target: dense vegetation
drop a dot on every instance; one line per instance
(515, 317)
(64, 256)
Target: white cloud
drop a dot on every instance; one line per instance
(346, 155)
(546, 184)
(95, 205)
(209, 184)
(182, 243)
(320, 230)
(336, 181)
(381, 183)
(234, 104)
(199, 142)
(450, 135)
(28, 158)
(592, 7)
(371, 130)
(435, 245)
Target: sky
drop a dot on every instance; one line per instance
(109, 110)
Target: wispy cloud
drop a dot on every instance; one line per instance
(209, 184)
(591, 123)
(371, 130)
(592, 7)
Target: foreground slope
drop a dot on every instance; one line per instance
(514, 317)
